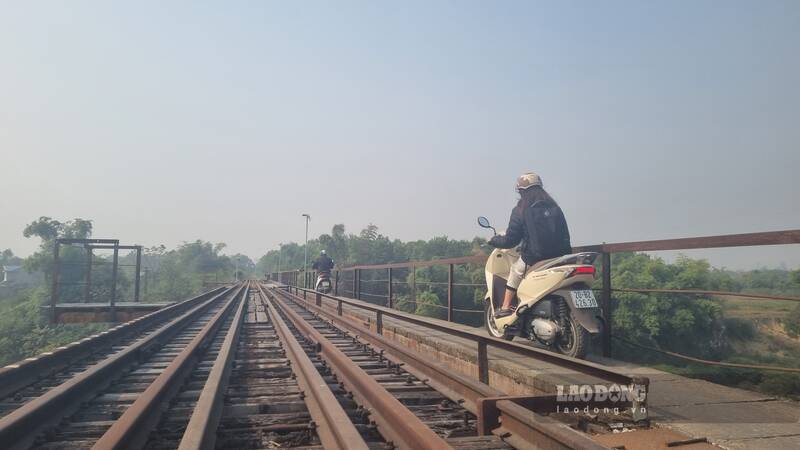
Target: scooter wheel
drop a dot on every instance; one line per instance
(575, 341)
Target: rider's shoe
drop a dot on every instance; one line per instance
(503, 313)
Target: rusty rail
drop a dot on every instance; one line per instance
(334, 428)
(201, 431)
(132, 429)
(20, 374)
(481, 341)
(395, 422)
(20, 426)
(514, 418)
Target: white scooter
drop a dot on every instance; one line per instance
(324, 284)
(556, 306)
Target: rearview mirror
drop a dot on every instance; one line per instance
(484, 222)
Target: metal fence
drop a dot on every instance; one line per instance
(385, 284)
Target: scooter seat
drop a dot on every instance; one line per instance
(539, 264)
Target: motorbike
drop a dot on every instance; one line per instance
(324, 284)
(555, 305)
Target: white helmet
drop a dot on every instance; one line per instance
(527, 180)
(323, 252)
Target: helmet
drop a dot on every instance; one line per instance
(323, 252)
(527, 180)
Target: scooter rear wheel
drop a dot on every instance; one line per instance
(574, 341)
(491, 327)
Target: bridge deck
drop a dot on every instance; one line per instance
(729, 417)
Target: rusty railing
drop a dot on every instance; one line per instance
(355, 282)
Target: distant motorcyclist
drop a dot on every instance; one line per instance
(323, 264)
(539, 224)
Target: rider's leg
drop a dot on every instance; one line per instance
(509, 297)
(514, 279)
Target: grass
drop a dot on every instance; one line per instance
(756, 309)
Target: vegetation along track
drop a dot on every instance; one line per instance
(247, 367)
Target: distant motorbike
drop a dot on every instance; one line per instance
(324, 284)
(556, 306)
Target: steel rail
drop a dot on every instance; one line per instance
(201, 431)
(16, 376)
(531, 430)
(334, 428)
(395, 422)
(586, 367)
(131, 430)
(19, 426)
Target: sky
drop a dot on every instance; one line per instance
(166, 122)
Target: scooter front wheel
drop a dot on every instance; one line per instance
(491, 326)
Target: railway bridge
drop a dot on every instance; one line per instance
(271, 363)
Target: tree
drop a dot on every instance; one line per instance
(671, 321)
(7, 258)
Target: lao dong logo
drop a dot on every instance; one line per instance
(608, 394)
(600, 393)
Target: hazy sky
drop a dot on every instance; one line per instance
(224, 121)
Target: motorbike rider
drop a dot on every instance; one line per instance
(539, 224)
(323, 264)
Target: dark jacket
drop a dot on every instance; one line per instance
(323, 264)
(546, 243)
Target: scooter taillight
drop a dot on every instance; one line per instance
(582, 270)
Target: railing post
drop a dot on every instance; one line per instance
(336, 284)
(390, 289)
(483, 362)
(414, 285)
(137, 279)
(87, 289)
(319, 299)
(450, 293)
(606, 299)
(339, 307)
(54, 291)
(358, 284)
(355, 282)
(379, 322)
(112, 308)
(146, 273)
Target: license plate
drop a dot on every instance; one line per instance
(584, 299)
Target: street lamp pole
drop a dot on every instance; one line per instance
(236, 266)
(280, 251)
(305, 257)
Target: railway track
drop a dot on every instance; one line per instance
(252, 366)
(437, 421)
(31, 378)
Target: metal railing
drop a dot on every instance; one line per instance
(354, 283)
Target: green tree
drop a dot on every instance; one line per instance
(670, 321)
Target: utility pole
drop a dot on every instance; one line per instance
(280, 253)
(305, 257)
(236, 270)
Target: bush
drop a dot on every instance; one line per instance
(792, 322)
(784, 384)
(739, 329)
(26, 331)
